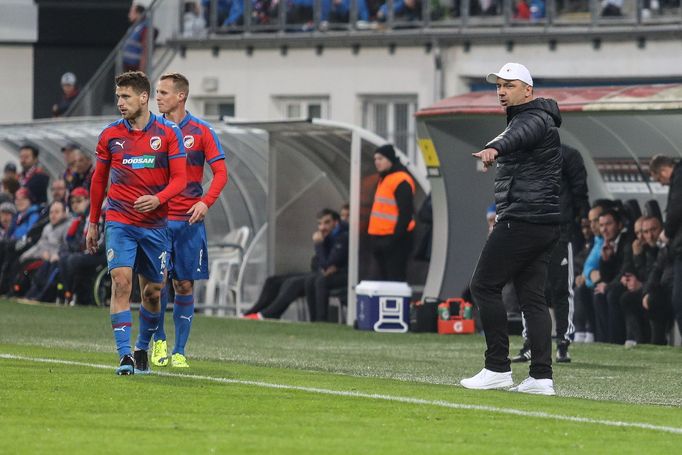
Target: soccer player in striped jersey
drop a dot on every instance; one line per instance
(188, 258)
(144, 155)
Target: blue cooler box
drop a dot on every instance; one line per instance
(383, 306)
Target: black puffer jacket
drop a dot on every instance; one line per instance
(529, 164)
(573, 200)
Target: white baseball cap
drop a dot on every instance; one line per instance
(68, 79)
(511, 72)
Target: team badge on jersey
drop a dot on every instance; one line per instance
(189, 141)
(155, 143)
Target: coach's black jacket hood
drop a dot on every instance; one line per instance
(529, 163)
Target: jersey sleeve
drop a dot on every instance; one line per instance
(102, 150)
(213, 150)
(176, 147)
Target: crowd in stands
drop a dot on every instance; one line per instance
(371, 13)
(42, 237)
(624, 276)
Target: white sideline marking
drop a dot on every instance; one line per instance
(373, 396)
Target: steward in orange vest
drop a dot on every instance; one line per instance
(391, 221)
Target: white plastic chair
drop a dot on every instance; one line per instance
(226, 258)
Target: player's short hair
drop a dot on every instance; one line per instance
(136, 80)
(333, 213)
(34, 150)
(658, 162)
(180, 82)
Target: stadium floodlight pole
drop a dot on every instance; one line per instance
(317, 13)
(213, 15)
(390, 14)
(353, 17)
(248, 10)
(464, 13)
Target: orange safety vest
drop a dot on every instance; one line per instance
(384, 214)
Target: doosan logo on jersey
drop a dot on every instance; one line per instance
(139, 162)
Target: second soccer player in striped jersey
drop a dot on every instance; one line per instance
(186, 212)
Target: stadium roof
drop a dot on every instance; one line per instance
(574, 99)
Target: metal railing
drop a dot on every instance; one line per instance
(164, 19)
(223, 18)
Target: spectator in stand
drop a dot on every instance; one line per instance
(222, 10)
(10, 171)
(77, 268)
(28, 216)
(10, 185)
(83, 170)
(639, 260)
(608, 289)
(193, 24)
(521, 10)
(329, 271)
(7, 213)
(229, 12)
(391, 222)
(46, 252)
(584, 309)
(668, 172)
(612, 8)
(28, 213)
(339, 11)
(135, 52)
(58, 191)
(32, 176)
(69, 161)
(344, 213)
(69, 93)
(403, 10)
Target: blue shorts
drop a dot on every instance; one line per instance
(189, 251)
(145, 250)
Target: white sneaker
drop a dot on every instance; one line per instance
(579, 337)
(487, 379)
(629, 344)
(589, 337)
(535, 386)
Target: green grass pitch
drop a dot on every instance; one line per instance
(268, 387)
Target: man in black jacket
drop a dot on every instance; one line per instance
(527, 227)
(666, 171)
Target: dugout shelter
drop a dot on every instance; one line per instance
(616, 129)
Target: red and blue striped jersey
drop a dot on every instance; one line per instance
(139, 165)
(202, 145)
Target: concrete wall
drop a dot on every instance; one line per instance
(16, 82)
(255, 81)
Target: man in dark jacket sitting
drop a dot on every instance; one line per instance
(526, 229)
(330, 270)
